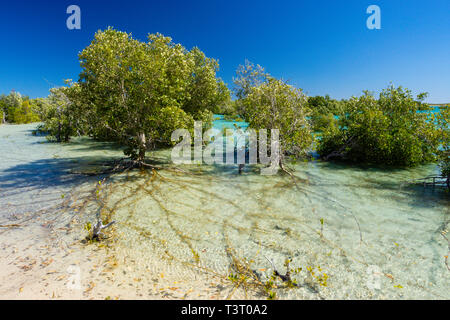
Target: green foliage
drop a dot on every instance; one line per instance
(318, 275)
(314, 278)
(232, 117)
(228, 108)
(322, 122)
(444, 153)
(271, 295)
(247, 77)
(88, 227)
(388, 130)
(323, 111)
(41, 107)
(269, 103)
(60, 112)
(90, 239)
(138, 93)
(204, 91)
(17, 109)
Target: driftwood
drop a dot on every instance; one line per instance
(97, 229)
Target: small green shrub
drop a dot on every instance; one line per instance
(388, 131)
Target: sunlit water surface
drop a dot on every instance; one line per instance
(373, 232)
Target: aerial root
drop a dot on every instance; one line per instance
(10, 226)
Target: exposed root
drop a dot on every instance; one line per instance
(289, 173)
(120, 166)
(97, 230)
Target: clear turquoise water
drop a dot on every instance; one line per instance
(220, 123)
(380, 236)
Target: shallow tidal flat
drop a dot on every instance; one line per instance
(179, 233)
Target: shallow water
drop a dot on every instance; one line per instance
(380, 237)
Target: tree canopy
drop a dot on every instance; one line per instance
(137, 93)
(62, 112)
(269, 103)
(389, 130)
(15, 108)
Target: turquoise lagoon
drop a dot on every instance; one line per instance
(375, 232)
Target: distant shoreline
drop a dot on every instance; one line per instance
(439, 104)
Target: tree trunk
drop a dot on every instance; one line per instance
(58, 135)
(142, 147)
(67, 132)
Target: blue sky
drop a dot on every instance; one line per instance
(321, 46)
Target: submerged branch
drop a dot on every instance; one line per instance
(97, 230)
(289, 173)
(10, 226)
(286, 277)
